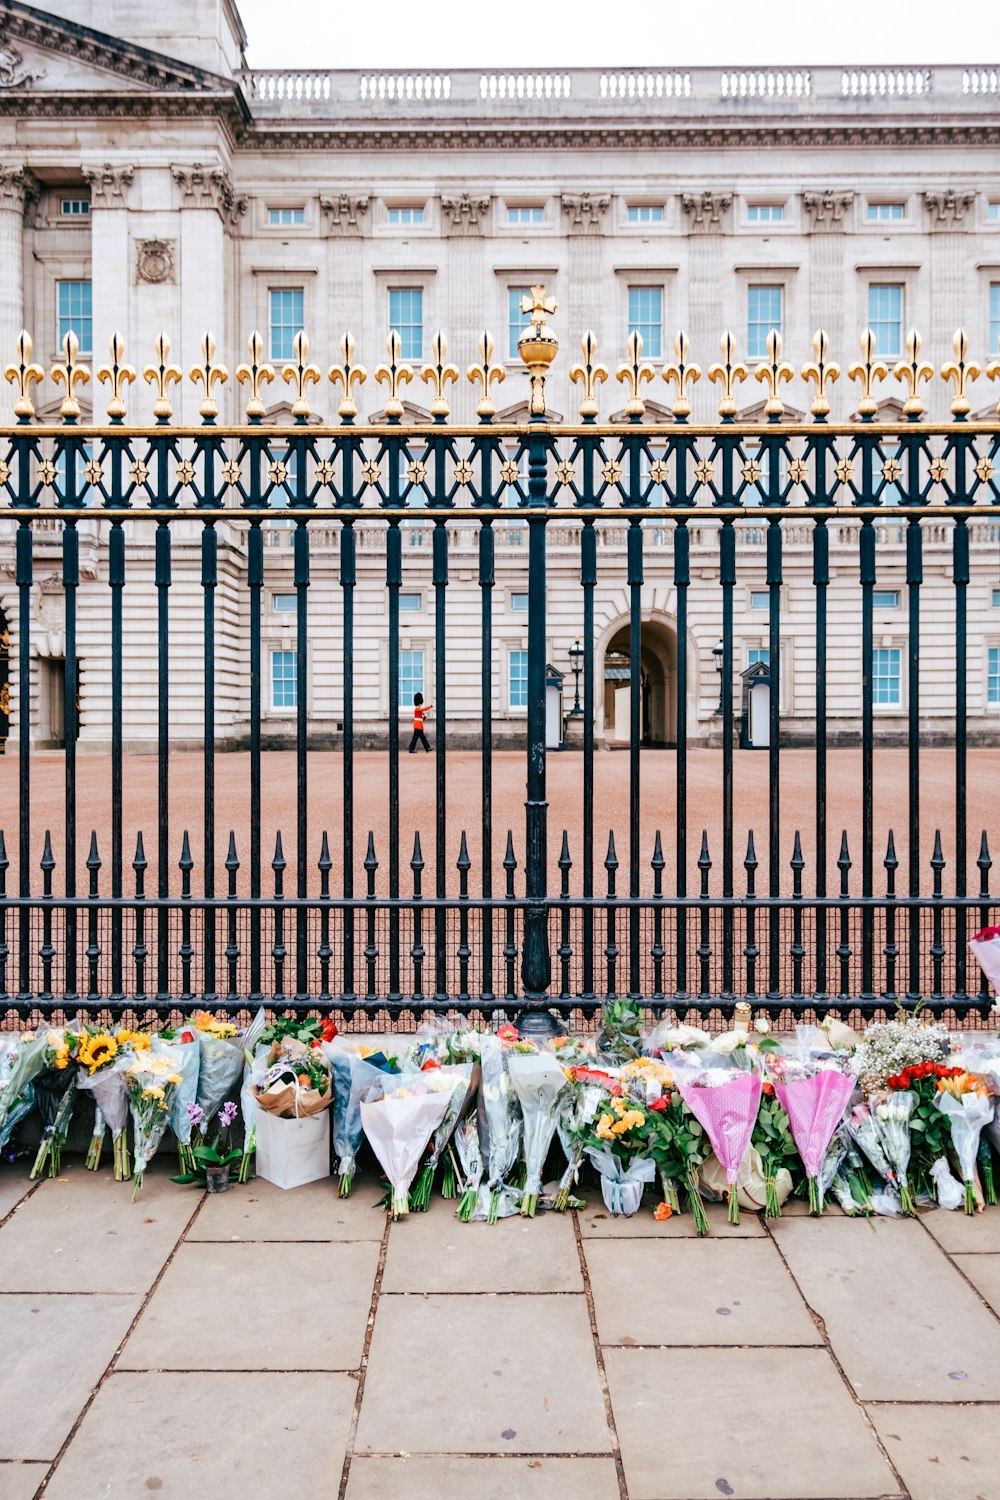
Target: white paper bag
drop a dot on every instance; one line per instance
(293, 1152)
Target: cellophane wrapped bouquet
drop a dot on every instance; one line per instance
(55, 1095)
(986, 948)
(399, 1114)
(181, 1047)
(464, 1082)
(499, 1129)
(618, 1147)
(150, 1083)
(356, 1068)
(814, 1092)
(296, 1081)
(585, 1098)
(965, 1102)
(539, 1080)
(222, 1049)
(897, 1064)
(724, 1097)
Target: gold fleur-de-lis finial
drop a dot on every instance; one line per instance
(393, 374)
(485, 373)
(438, 374)
(256, 373)
(823, 371)
(347, 374)
(992, 372)
(589, 374)
(208, 374)
(301, 374)
(118, 375)
(70, 374)
(537, 347)
(632, 372)
(773, 371)
(961, 370)
(684, 374)
(24, 375)
(161, 375)
(912, 370)
(727, 373)
(866, 371)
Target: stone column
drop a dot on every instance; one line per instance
(587, 304)
(949, 271)
(710, 282)
(210, 212)
(824, 214)
(109, 268)
(464, 218)
(18, 189)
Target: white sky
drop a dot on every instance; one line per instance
(431, 34)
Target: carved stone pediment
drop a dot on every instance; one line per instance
(585, 211)
(707, 212)
(15, 73)
(210, 187)
(344, 212)
(826, 211)
(465, 212)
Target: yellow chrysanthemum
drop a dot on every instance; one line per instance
(61, 1059)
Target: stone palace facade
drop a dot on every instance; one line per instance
(149, 180)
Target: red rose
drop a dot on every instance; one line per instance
(658, 1105)
(329, 1030)
(767, 1089)
(187, 1036)
(316, 1043)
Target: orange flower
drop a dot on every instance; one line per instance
(662, 1211)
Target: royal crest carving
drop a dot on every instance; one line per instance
(154, 261)
(13, 73)
(467, 211)
(344, 212)
(707, 211)
(586, 210)
(108, 184)
(826, 210)
(947, 209)
(210, 187)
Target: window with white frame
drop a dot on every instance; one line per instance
(645, 213)
(765, 213)
(885, 317)
(886, 682)
(994, 334)
(519, 602)
(764, 313)
(406, 214)
(406, 315)
(524, 213)
(74, 208)
(411, 604)
(284, 681)
(645, 316)
(761, 654)
(283, 604)
(760, 599)
(75, 313)
(286, 216)
(285, 319)
(993, 674)
(996, 598)
(411, 677)
(885, 598)
(518, 679)
(517, 321)
(885, 213)
(993, 210)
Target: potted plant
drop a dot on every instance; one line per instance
(213, 1159)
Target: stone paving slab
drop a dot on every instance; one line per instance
(714, 1292)
(435, 1252)
(80, 1233)
(942, 1452)
(899, 1317)
(434, 1478)
(258, 1211)
(984, 1273)
(258, 1307)
(596, 1222)
(507, 1373)
(14, 1185)
(231, 1437)
(20, 1481)
(971, 1234)
(53, 1351)
(760, 1424)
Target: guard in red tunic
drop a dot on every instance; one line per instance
(420, 708)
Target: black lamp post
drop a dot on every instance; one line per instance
(717, 652)
(576, 657)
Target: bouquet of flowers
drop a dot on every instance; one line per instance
(773, 1142)
(677, 1144)
(215, 1153)
(399, 1116)
(470, 1158)
(150, 1082)
(620, 1037)
(967, 1106)
(55, 1096)
(463, 1084)
(254, 1067)
(181, 1047)
(929, 1133)
(725, 1102)
(539, 1082)
(102, 1058)
(24, 1061)
(814, 1099)
(295, 1082)
(579, 1104)
(499, 1128)
(892, 1115)
(889, 1047)
(353, 1076)
(986, 947)
(619, 1149)
(222, 1051)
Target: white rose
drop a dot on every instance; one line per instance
(728, 1042)
(762, 1026)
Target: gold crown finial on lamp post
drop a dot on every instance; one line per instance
(537, 346)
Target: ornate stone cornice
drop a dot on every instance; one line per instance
(344, 212)
(826, 210)
(210, 187)
(707, 211)
(108, 184)
(586, 211)
(947, 208)
(466, 212)
(18, 189)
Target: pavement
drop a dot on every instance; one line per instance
(262, 1343)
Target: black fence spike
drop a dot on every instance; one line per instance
(278, 862)
(509, 861)
(844, 857)
(565, 863)
(658, 862)
(325, 862)
(464, 862)
(611, 858)
(417, 858)
(704, 859)
(93, 858)
(750, 862)
(797, 862)
(186, 863)
(890, 861)
(48, 862)
(5, 862)
(937, 858)
(371, 863)
(232, 862)
(984, 862)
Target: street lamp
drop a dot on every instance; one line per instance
(717, 651)
(576, 656)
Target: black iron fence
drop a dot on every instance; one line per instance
(528, 920)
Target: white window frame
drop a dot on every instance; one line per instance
(274, 215)
(764, 594)
(283, 708)
(892, 594)
(757, 323)
(513, 211)
(513, 288)
(990, 703)
(874, 214)
(881, 707)
(411, 609)
(512, 707)
(766, 212)
(283, 291)
(870, 322)
(643, 214)
(518, 609)
(67, 210)
(406, 698)
(86, 345)
(993, 318)
(400, 215)
(641, 287)
(394, 289)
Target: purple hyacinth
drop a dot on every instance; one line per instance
(227, 1114)
(196, 1114)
